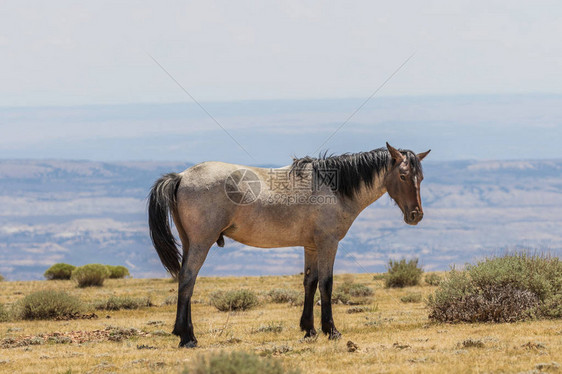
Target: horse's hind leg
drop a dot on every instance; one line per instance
(310, 284)
(193, 259)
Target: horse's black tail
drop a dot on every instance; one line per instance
(161, 204)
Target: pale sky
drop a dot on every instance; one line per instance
(96, 52)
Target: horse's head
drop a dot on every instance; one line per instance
(403, 181)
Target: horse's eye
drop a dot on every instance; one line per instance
(403, 177)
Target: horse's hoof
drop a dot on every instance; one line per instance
(334, 335)
(310, 334)
(189, 344)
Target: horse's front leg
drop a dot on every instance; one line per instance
(310, 284)
(326, 256)
(193, 259)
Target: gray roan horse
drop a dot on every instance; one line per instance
(311, 203)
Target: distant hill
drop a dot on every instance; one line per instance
(82, 212)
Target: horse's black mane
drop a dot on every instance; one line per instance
(345, 173)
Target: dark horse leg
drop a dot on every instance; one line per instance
(193, 259)
(326, 256)
(310, 285)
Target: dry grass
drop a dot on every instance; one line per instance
(387, 335)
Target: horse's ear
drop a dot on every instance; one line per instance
(396, 155)
(422, 155)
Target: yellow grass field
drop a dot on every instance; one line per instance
(391, 336)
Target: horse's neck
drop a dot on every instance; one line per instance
(368, 195)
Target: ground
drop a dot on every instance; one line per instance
(388, 336)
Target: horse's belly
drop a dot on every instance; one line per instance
(267, 237)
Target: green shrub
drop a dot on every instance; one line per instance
(411, 298)
(360, 309)
(123, 302)
(117, 272)
(49, 304)
(355, 289)
(4, 314)
(552, 307)
(541, 275)
(403, 273)
(433, 279)
(339, 297)
(284, 295)
(236, 363)
(90, 275)
(299, 300)
(502, 289)
(59, 271)
(234, 300)
(171, 300)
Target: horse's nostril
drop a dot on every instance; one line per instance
(416, 215)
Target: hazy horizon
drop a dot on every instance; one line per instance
(270, 132)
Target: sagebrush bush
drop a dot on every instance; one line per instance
(236, 363)
(275, 327)
(502, 289)
(49, 304)
(234, 300)
(4, 313)
(403, 273)
(284, 295)
(59, 271)
(117, 272)
(411, 298)
(433, 279)
(171, 300)
(339, 297)
(355, 289)
(552, 307)
(123, 302)
(90, 275)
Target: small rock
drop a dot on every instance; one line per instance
(143, 346)
(157, 323)
(401, 346)
(534, 345)
(351, 346)
(547, 365)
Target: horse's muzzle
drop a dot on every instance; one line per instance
(414, 217)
